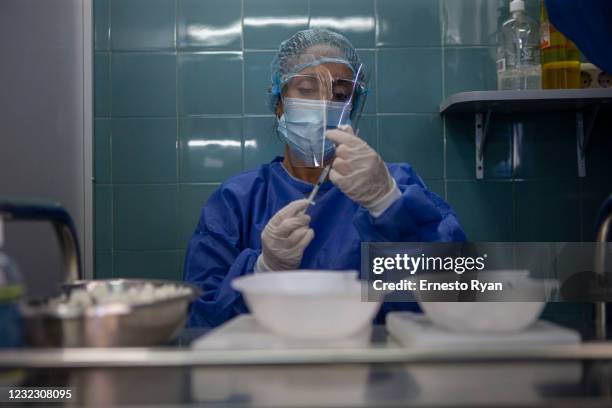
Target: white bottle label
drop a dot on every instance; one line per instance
(545, 35)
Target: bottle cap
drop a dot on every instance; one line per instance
(517, 5)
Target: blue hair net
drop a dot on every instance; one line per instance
(307, 48)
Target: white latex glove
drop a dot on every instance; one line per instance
(284, 238)
(361, 173)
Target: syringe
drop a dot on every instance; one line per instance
(316, 187)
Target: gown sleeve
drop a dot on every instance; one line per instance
(215, 257)
(417, 216)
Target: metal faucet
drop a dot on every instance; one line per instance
(62, 224)
(600, 266)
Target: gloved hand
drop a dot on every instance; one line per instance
(284, 238)
(361, 173)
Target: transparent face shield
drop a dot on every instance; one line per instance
(315, 100)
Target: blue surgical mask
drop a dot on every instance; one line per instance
(303, 126)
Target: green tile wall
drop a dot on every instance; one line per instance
(180, 105)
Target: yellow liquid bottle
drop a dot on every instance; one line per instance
(560, 57)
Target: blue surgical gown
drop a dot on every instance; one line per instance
(226, 242)
(589, 24)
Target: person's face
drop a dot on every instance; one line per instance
(329, 81)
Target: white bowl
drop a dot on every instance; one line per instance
(492, 316)
(314, 305)
(483, 317)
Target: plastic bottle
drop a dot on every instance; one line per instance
(11, 290)
(518, 63)
(560, 57)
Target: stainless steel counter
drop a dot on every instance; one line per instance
(384, 374)
(168, 357)
(379, 349)
(542, 384)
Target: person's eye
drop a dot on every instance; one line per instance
(341, 96)
(306, 91)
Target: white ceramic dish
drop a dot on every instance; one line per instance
(487, 316)
(315, 305)
(483, 317)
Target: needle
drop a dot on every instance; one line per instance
(316, 187)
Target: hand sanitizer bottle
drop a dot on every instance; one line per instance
(518, 62)
(11, 290)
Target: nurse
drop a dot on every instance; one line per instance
(260, 222)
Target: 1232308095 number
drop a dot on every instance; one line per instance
(37, 394)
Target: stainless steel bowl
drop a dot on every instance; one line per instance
(109, 325)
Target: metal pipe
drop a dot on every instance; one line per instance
(70, 252)
(600, 267)
(62, 223)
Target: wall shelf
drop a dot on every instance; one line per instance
(585, 103)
